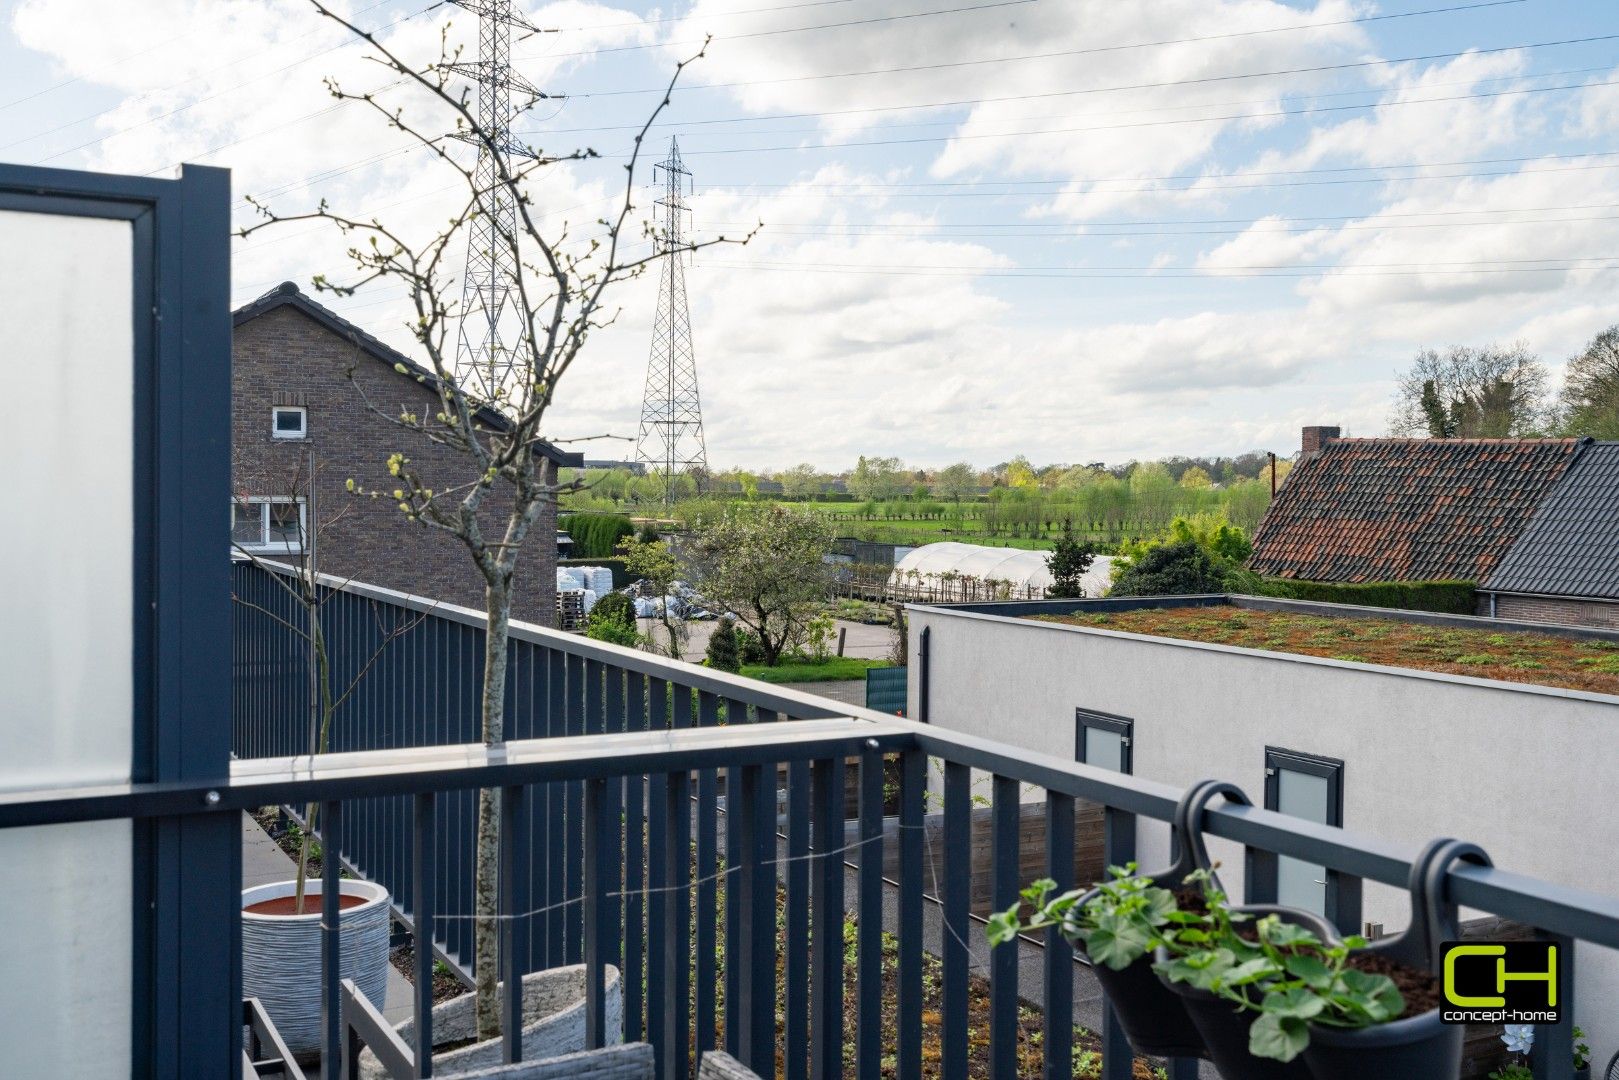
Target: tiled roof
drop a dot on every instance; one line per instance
(1571, 545)
(1406, 509)
(287, 294)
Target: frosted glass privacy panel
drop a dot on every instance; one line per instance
(66, 637)
(1301, 884)
(65, 564)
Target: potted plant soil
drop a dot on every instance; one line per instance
(1311, 1004)
(281, 952)
(1119, 923)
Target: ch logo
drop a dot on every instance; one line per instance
(1514, 976)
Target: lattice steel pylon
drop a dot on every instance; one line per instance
(671, 437)
(484, 359)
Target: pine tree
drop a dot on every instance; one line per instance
(1069, 561)
(724, 653)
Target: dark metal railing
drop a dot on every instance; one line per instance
(409, 673)
(687, 922)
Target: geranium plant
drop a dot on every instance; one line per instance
(1123, 922)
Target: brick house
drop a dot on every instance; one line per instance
(300, 379)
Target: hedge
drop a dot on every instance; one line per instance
(1448, 597)
(596, 536)
(621, 572)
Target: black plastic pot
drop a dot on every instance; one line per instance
(1153, 1016)
(1413, 1047)
(1223, 1025)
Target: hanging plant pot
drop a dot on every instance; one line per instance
(1223, 1025)
(1413, 1047)
(1154, 1017)
(281, 952)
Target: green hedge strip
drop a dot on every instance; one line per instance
(1447, 597)
(596, 536)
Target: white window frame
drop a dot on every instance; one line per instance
(264, 545)
(303, 422)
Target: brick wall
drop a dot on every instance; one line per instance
(283, 357)
(1547, 610)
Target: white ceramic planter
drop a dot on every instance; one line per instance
(281, 955)
(553, 1024)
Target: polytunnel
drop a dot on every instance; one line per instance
(952, 571)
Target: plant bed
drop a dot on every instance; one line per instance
(445, 983)
(553, 1024)
(1541, 659)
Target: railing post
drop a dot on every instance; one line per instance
(423, 839)
(331, 949)
(594, 915)
(513, 906)
(1059, 954)
(1552, 1056)
(756, 806)
(912, 786)
(869, 915)
(677, 945)
(634, 873)
(957, 897)
(1118, 849)
(826, 968)
(657, 863)
(1003, 959)
(797, 975)
(707, 886)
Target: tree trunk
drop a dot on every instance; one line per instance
(486, 935)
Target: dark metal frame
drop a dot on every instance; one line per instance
(186, 990)
(1122, 726)
(1342, 895)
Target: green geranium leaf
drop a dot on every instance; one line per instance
(1299, 1002)
(1316, 975)
(1280, 1038)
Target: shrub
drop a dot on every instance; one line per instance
(617, 607)
(724, 651)
(748, 648)
(606, 627)
(1446, 597)
(1178, 569)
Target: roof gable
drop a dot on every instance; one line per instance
(1406, 509)
(287, 294)
(1571, 545)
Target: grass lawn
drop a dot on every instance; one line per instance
(836, 669)
(1516, 657)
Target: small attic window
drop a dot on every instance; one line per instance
(289, 422)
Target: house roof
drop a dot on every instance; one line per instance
(287, 294)
(1571, 545)
(1406, 509)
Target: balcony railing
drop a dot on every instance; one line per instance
(657, 818)
(666, 932)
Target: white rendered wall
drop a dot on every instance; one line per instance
(66, 638)
(1526, 772)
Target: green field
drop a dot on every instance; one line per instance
(836, 669)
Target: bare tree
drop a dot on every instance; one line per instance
(296, 490)
(1465, 392)
(1590, 398)
(558, 299)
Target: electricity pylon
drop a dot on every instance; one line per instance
(671, 438)
(484, 360)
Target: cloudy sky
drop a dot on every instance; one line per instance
(1074, 229)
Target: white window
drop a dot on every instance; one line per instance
(289, 422)
(267, 525)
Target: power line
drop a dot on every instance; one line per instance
(801, 29)
(1043, 56)
(202, 100)
(1311, 110)
(1145, 272)
(958, 102)
(142, 52)
(683, 18)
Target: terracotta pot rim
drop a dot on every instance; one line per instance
(376, 895)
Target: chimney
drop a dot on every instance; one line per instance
(1317, 437)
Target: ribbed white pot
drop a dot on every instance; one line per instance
(281, 955)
